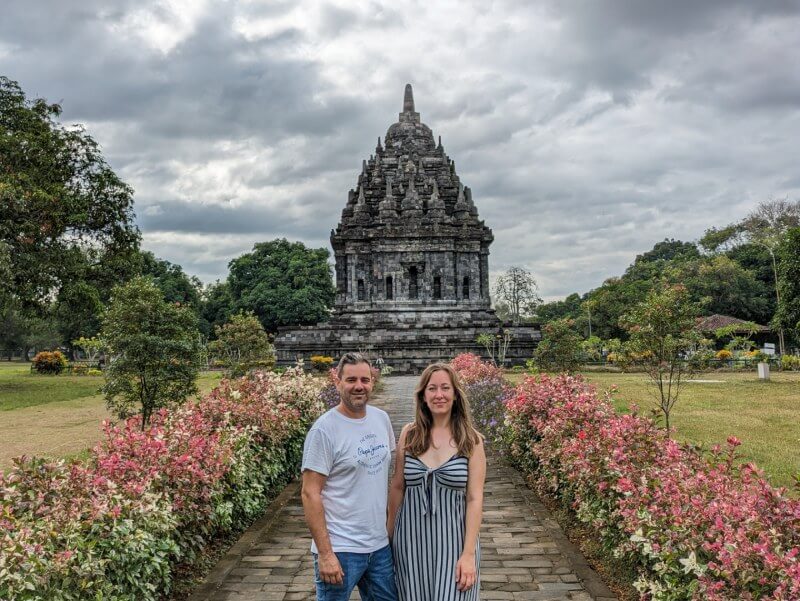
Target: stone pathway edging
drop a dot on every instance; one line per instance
(525, 554)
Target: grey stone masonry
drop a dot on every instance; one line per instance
(410, 253)
(524, 554)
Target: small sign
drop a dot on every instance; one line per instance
(769, 348)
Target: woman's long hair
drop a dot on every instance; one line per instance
(418, 437)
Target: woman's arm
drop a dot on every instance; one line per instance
(398, 484)
(466, 570)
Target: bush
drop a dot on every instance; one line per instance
(46, 362)
(560, 348)
(321, 362)
(114, 526)
(329, 395)
(486, 392)
(790, 362)
(724, 355)
(696, 527)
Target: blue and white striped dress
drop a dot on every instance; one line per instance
(429, 532)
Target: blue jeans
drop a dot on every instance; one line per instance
(373, 573)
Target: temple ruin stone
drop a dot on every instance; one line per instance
(411, 260)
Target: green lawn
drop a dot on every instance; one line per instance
(765, 416)
(20, 388)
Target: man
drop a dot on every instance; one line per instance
(346, 461)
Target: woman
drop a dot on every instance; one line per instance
(436, 494)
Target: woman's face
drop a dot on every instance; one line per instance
(439, 393)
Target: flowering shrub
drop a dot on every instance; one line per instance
(486, 391)
(724, 355)
(46, 362)
(697, 527)
(321, 362)
(329, 395)
(113, 526)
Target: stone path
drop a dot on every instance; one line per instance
(525, 555)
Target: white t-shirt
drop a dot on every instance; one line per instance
(355, 455)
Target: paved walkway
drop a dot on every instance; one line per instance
(525, 555)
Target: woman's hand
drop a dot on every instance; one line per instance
(466, 573)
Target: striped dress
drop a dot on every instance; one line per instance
(429, 532)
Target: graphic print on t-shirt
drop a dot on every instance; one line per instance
(371, 453)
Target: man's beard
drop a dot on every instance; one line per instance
(355, 406)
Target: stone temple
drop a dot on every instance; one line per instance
(412, 262)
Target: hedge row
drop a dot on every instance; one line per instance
(114, 526)
(697, 526)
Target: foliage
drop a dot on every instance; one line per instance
(242, 345)
(216, 306)
(788, 315)
(695, 527)
(790, 362)
(517, 289)
(321, 362)
(496, 345)
(329, 394)
(662, 333)
(486, 391)
(571, 307)
(154, 351)
(738, 336)
(560, 347)
(90, 346)
(114, 526)
(47, 362)
(283, 283)
(58, 201)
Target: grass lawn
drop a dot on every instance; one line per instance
(765, 416)
(54, 416)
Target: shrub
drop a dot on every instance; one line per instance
(560, 348)
(114, 526)
(486, 392)
(790, 362)
(724, 355)
(47, 362)
(696, 527)
(321, 362)
(329, 395)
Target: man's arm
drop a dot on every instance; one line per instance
(330, 570)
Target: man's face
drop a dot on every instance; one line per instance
(355, 386)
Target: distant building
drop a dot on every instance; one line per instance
(710, 324)
(411, 259)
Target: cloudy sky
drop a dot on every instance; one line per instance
(588, 130)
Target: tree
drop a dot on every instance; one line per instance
(723, 286)
(58, 200)
(767, 227)
(242, 344)
(517, 289)
(788, 315)
(174, 283)
(662, 333)
(154, 348)
(216, 306)
(283, 283)
(560, 348)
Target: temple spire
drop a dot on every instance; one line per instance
(409, 114)
(408, 99)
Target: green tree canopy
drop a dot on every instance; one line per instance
(560, 348)
(59, 200)
(789, 281)
(242, 345)
(283, 283)
(154, 349)
(662, 330)
(216, 306)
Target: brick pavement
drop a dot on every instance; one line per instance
(525, 555)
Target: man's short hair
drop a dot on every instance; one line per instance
(351, 359)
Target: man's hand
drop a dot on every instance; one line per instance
(466, 574)
(330, 570)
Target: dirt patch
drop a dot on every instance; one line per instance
(52, 430)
